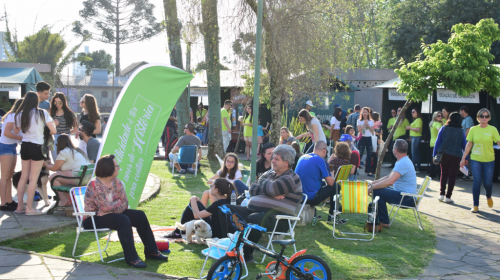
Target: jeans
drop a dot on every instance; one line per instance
(366, 142)
(449, 170)
(225, 139)
(352, 177)
(482, 172)
(389, 195)
(240, 186)
(322, 194)
(123, 224)
(415, 151)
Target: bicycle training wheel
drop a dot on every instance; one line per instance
(312, 266)
(223, 267)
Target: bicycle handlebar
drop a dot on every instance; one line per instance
(226, 210)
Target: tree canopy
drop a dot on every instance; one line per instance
(96, 60)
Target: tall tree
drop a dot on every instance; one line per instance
(202, 65)
(174, 45)
(462, 65)
(118, 22)
(210, 28)
(96, 60)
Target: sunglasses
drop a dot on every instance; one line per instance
(413, 112)
(81, 101)
(439, 116)
(58, 102)
(484, 116)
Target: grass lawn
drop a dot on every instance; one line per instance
(401, 251)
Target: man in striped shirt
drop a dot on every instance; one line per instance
(277, 192)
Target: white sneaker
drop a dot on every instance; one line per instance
(449, 200)
(441, 198)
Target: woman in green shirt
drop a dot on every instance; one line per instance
(480, 144)
(247, 129)
(435, 125)
(446, 115)
(415, 129)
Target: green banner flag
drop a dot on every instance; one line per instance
(137, 122)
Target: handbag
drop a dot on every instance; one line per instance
(438, 157)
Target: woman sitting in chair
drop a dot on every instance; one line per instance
(106, 196)
(221, 191)
(68, 162)
(341, 156)
(229, 172)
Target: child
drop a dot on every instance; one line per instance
(260, 136)
(199, 127)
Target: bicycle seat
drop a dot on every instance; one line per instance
(284, 242)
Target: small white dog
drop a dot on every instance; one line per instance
(201, 229)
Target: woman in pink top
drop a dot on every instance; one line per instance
(105, 195)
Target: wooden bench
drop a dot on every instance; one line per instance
(84, 171)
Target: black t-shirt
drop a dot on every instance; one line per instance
(85, 117)
(215, 222)
(343, 124)
(261, 169)
(172, 123)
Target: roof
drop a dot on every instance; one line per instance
(19, 76)
(87, 81)
(41, 68)
(349, 85)
(389, 84)
(130, 69)
(228, 78)
(366, 74)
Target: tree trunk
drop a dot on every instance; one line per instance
(117, 64)
(174, 46)
(211, 40)
(274, 89)
(400, 119)
(239, 137)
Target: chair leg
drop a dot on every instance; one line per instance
(419, 221)
(107, 243)
(76, 241)
(395, 214)
(98, 245)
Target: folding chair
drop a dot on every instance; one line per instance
(355, 201)
(246, 176)
(77, 195)
(187, 155)
(85, 171)
(218, 248)
(342, 174)
(416, 199)
(291, 225)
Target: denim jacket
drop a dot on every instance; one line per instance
(452, 139)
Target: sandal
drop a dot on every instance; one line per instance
(137, 263)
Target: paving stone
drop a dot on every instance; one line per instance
(494, 274)
(470, 269)
(91, 277)
(7, 217)
(437, 271)
(20, 259)
(477, 261)
(467, 277)
(446, 263)
(60, 268)
(20, 272)
(448, 256)
(5, 233)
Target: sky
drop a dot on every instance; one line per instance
(61, 13)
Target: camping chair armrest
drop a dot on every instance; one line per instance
(84, 214)
(411, 194)
(286, 217)
(376, 199)
(61, 176)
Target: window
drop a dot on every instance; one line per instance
(104, 94)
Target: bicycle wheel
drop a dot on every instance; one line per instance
(223, 266)
(312, 266)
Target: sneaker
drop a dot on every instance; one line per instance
(183, 171)
(249, 259)
(190, 170)
(449, 200)
(319, 218)
(370, 175)
(338, 221)
(474, 209)
(490, 202)
(466, 178)
(441, 198)
(174, 234)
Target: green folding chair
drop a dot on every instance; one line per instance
(342, 174)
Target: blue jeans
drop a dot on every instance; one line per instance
(415, 151)
(482, 172)
(366, 142)
(240, 186)
(389, 195)
(352, 177)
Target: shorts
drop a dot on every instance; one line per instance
(31, 151)
(248, 138)
(172, 157)
(260, 139)
(8, 149)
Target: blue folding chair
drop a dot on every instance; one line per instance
(187, 155)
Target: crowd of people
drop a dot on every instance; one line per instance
(43, 129)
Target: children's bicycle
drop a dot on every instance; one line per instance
(299, 266)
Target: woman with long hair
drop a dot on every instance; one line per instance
(435, 125)
(90, 112)
(314, 128)
(450, 142)
(284, 134)
(64, 119)
(229, 172)
(340, 156)
(67, 163)
(31, 121)
(366, 130)
(335, 124)
(264, 162)
(446, 114)
(8, 157)
(106, 196)
(220, 192)
(415, 129)
(479, 144)
(247, 129)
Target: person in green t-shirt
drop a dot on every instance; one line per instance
(446, 115)
(399, 133)
(435, 125)
(480, 144)
(392, 120)
(226, 123)
(415, 129)
(247, 123)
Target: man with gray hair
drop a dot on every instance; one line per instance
(403, 179)
(276, 192)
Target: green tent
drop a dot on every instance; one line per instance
(21, 76)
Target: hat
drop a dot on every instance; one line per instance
(309, 102)
(290, 139)
(336, 105)
(346, 137)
